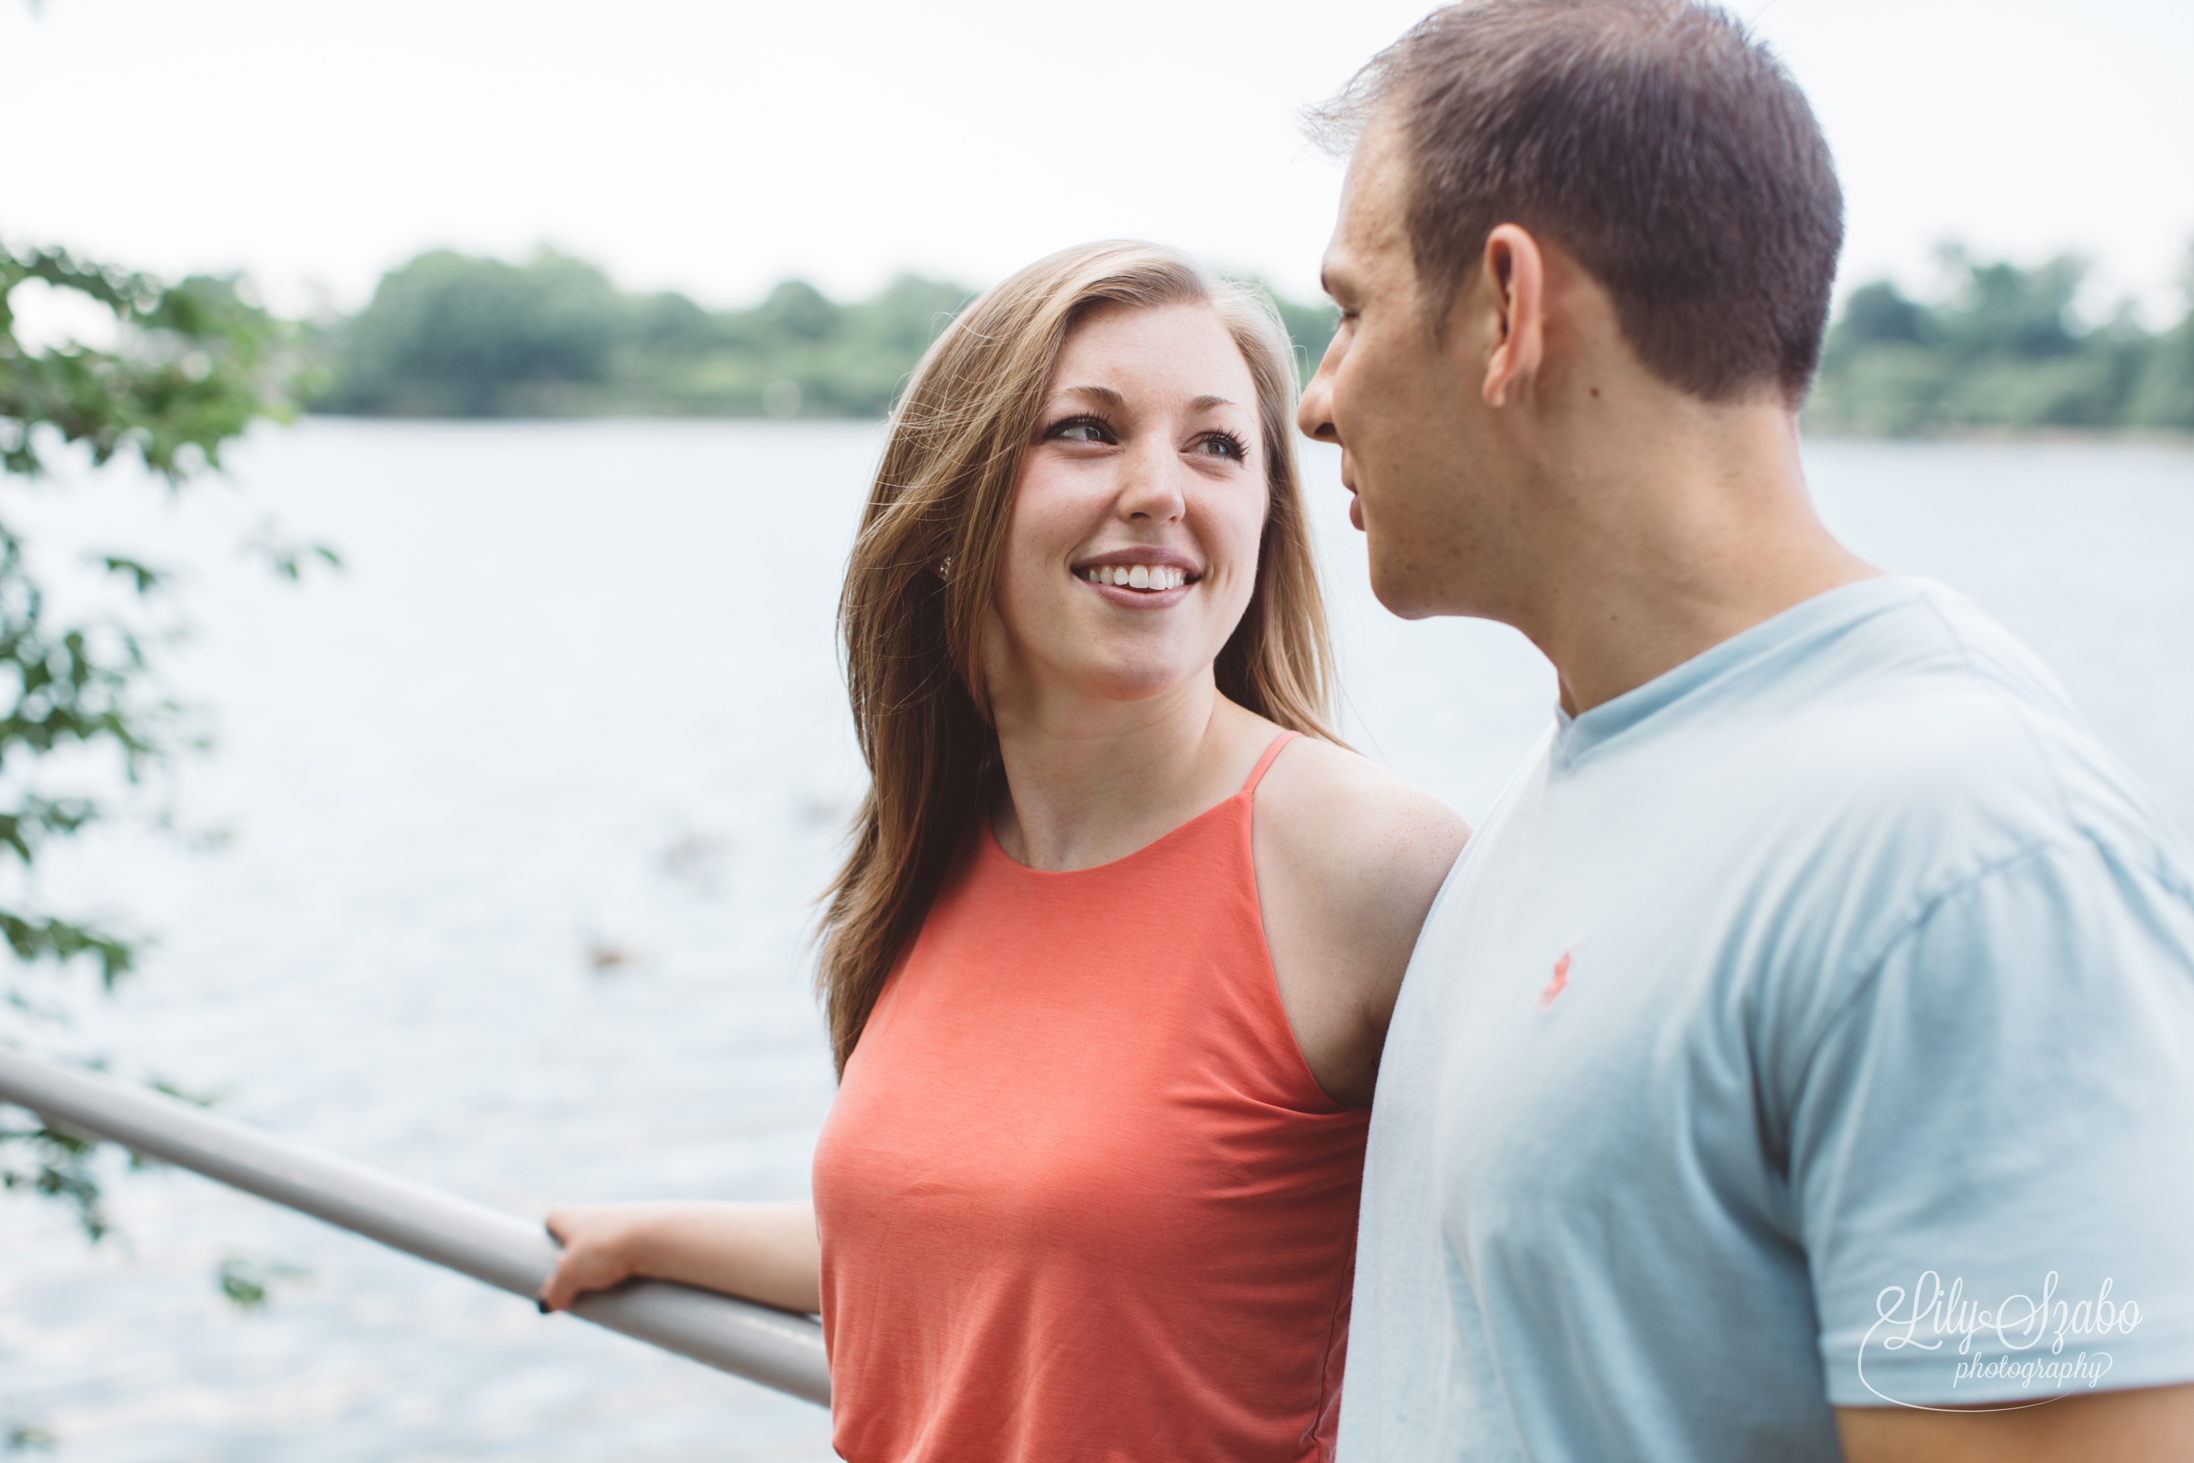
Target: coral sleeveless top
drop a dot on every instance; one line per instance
(1079, 1196)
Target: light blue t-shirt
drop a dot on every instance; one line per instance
(1812, 1026)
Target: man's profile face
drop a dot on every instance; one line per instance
(1400, 404)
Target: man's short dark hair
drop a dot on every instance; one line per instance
(1654, 140)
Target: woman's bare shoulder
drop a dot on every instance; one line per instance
(1363, 850)
(1326, 801)
(1349, 859)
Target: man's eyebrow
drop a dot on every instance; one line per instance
(1334, 284)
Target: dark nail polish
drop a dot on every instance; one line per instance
(542, 1305)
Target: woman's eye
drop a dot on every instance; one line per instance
(1080, 429)
(1221, 445)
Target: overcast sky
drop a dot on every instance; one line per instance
(716, 148)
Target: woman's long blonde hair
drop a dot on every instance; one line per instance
(913, 626)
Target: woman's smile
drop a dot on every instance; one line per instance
(1141, 578)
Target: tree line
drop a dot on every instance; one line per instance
(448, 335)
(2001, 352)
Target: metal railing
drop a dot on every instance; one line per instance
(763, 1345)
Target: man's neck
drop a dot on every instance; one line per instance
(1663, 554)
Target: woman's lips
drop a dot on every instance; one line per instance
(1161, 585)
(1136, 576)
(1140, 576)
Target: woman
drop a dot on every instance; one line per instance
(1109, 966)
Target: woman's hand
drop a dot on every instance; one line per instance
(764, 1252)
(602, 1247)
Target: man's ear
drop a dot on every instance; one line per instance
(1512, 284)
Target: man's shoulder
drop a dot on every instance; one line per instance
(1940, 750)
(1945, 715)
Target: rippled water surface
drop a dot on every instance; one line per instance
(526, 811)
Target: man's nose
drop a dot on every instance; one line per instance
(1314, 416)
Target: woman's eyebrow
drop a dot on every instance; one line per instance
(1103, 394)
(1107, 396)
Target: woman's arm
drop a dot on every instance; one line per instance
(1348, 859)
(2151, 1425)
(763, 1252)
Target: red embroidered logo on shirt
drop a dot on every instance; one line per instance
(1557, 985)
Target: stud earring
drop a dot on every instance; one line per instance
(944, 570)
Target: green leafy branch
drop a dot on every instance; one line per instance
(192, 365)
(196, 365)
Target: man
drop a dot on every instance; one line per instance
(1801, 1056)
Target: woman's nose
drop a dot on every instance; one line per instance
(1153, 488)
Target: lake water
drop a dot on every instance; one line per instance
(577, 698)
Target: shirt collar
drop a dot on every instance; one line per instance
(1824, 614)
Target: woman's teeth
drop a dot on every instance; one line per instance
(1137, 576)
